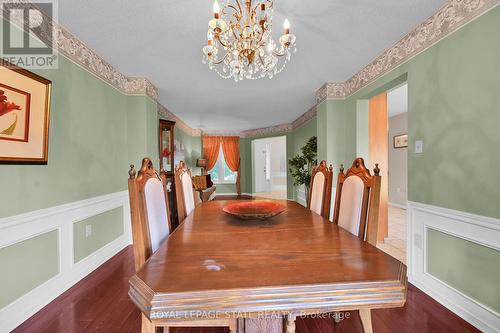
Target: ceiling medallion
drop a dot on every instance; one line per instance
(240, 41)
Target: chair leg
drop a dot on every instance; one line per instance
(147, 326)
(366, 320)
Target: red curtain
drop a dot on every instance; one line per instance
(211, 146)
(231, 150)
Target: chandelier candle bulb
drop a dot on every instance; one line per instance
(216, 10)
(286, 25)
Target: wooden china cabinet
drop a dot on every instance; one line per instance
(167, 151)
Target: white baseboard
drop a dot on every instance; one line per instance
(474, 228)
(61, 218)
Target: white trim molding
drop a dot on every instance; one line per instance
(474, 228)
(61, 218)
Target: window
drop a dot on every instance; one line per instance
(221, 174)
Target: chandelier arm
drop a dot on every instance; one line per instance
(222, 59)
(231, 6)
(279, 54)
(261, 35)
(255, 8)
(234, 33)
(239, 6)
(261, 61)
(220, 41)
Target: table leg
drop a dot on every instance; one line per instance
(366, 320)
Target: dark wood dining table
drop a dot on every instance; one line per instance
(266, 273)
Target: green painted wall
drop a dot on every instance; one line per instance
(362, 144)
(457, 262)
(245, 167)
(142, 130)
(453, 107)
(192, 146)
(95, 133)
(88, 134)
(300, 136)
(27, 264)
(336, 128)
(106, 227)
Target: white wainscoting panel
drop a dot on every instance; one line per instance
(21, 227)
(474, 228)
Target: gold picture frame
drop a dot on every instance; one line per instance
(401, 141)
(24, 116)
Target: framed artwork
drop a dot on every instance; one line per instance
(24, 116)
(401, 141)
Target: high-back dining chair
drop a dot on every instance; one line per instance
(320, 191)
(149, 211)
(357, 200)
(150, 227)
(184, 191)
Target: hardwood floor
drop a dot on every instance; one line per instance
(99, 303)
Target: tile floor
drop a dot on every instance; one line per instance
(395, 243)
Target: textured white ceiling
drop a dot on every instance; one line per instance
(162, 41)
(397, 100)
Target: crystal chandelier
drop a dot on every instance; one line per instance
(240, 41)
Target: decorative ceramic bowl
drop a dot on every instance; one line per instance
(254, 210)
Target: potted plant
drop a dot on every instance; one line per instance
(301, 165)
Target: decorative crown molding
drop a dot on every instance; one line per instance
(77, 51)
(452, 16)
(267, 131)
(74, 49)
(164, 113)
(221, 133)
(311, 113)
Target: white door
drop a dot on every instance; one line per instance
(261, 164)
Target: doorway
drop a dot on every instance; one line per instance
(397, 107)
(384, 118)
(269, 165)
